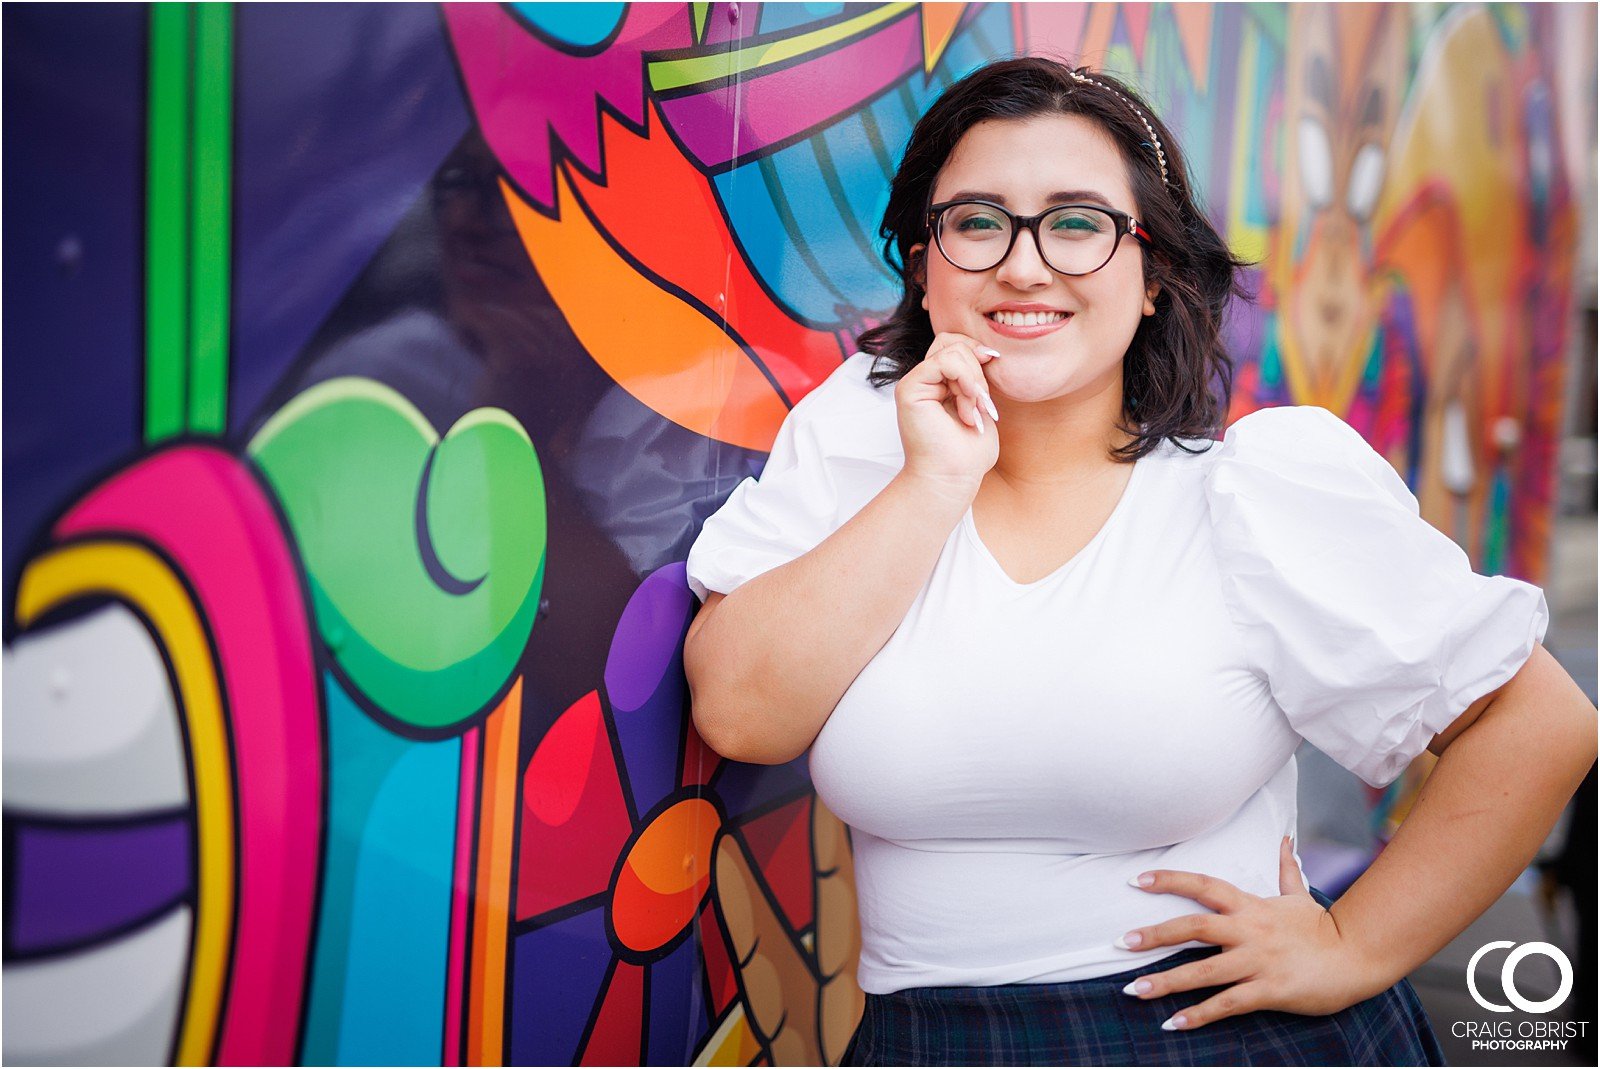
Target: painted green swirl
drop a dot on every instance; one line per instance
(426, 556)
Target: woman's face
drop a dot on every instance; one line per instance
(1022, 164)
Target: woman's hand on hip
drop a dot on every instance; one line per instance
(945, 412)
(1280, 953)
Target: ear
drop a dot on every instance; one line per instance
(1151, 292)
(917, 264)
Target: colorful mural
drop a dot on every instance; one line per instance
(371, 369)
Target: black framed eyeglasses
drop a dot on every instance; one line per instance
(1073, 239)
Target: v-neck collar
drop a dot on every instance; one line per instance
(971, 526)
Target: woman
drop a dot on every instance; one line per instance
(1052, 649)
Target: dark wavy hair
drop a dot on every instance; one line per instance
(1177, 376)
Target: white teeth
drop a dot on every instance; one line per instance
(1027, 319)
(91, 742)
(114, 1003)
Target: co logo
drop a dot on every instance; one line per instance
(1508, 977)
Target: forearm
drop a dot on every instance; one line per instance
(778, 653)
(1480, 818)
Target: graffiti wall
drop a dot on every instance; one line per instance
(370, 370)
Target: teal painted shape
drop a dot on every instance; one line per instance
(578, 25)
(378, 970)
(1270, 365)
(1372, 373)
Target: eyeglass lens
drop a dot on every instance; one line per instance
(1073, 240)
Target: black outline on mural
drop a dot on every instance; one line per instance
(431, 564)
(688, 299)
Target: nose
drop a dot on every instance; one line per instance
(1024, 266)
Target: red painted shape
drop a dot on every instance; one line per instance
(575, 822)
(620, 1026)
(780, 846)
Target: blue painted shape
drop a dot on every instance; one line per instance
(866, 191)
(761, 233)
(378, 969)
(557, 974)
(382, 125)
(678, 1015)
(793, 16)
(578, 25)
(73, 137)
(845, 259)
(894, 122)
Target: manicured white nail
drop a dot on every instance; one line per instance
(988, 402)
(1129, 941)
(978, 418)
(1175, 1022)
(1143, 880)
(1138, 987)
(992, 352)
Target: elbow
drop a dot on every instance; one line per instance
(712, 728)
(721, 702)
(716, 720)
(726, 732)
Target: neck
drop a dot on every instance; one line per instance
(1061, 442)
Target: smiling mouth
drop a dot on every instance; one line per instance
(1027, 319)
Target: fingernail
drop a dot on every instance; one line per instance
(1144, 879)
(1129, 941)
(988, 402)
(1175, 1022)
(992, 352)
(978, 418)
(1138, 987)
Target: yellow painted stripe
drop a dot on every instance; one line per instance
(1247, 239)
(135, 575)
(693, 70)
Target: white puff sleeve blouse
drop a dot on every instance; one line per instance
(1016, 746)
(1369, 625)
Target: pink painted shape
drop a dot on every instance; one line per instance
(769, 109)
(1050, 29)
(1136, 17)
(528, 95)
(208, 512)
(460, 897)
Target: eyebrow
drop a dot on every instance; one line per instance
(1078, 195)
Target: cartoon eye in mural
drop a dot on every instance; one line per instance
(1366, 181)
(1316, 162)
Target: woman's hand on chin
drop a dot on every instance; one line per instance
(1280, 953)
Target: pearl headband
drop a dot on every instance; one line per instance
(1154, 142)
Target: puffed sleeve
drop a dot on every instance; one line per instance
(1368, 624)
(838, 448)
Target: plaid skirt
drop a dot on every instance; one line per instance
(1091, 1022)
